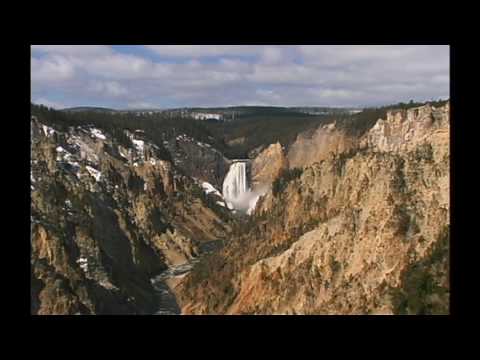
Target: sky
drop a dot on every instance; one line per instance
(170, 76)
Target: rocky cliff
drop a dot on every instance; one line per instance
(314, 146)
(198, 159)
(268, 165)
(362, 228)
(108, 214)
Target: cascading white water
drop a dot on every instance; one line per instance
(235, 185)
(236, 191)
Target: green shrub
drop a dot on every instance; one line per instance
(424, 152)
(285, 177)
(419, 282)
(334, 265)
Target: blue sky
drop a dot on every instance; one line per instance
(163, 76)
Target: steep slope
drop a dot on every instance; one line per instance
(268, 165)
(198, 159)
(108, 214)
(362, 227)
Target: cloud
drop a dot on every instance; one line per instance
(109, 88)
(74, 50)
(142, 105)
(204, 50)
(201, 75)
(52, 69)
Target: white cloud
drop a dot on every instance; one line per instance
(204, 50)
(276, 75)
(272, 55)
(108, 88)
(142, 105)
(74, 50)
(52, 69)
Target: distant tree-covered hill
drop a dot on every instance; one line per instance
(88, 108)
(253, 127)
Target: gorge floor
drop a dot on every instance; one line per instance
(167, 302)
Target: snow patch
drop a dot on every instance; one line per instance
(48, 131)
(74, 164)
(98, 134)
(94, 172)
(139, 145)
(63, 154)
(122, 154)
(83, 262)
(209, 189)
(108, 285)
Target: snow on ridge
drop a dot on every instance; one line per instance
(122, 154)
(184, 137)
(98, 134)
(47, 130)
(94, 172)
(83, 262)
(63, 155)
(139, 145)
(209, 188)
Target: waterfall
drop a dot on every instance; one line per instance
(235, 185)
(236, 190)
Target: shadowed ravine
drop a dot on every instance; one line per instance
(167, 303)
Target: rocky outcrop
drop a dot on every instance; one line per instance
(310, 148)
(106, 217)
(267, 166)
(198, 160)
(404, 130)
(362, 230)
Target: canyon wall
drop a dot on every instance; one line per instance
(105, 217)
(362, 228)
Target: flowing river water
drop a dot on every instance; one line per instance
(167, 303)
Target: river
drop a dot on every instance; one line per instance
(167, 303)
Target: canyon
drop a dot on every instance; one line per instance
(335, 222)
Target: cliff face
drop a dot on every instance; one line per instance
(319, 145)
(363, 228)
(106, 216)
(198, 160)
(267, 166)
(405, 130)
